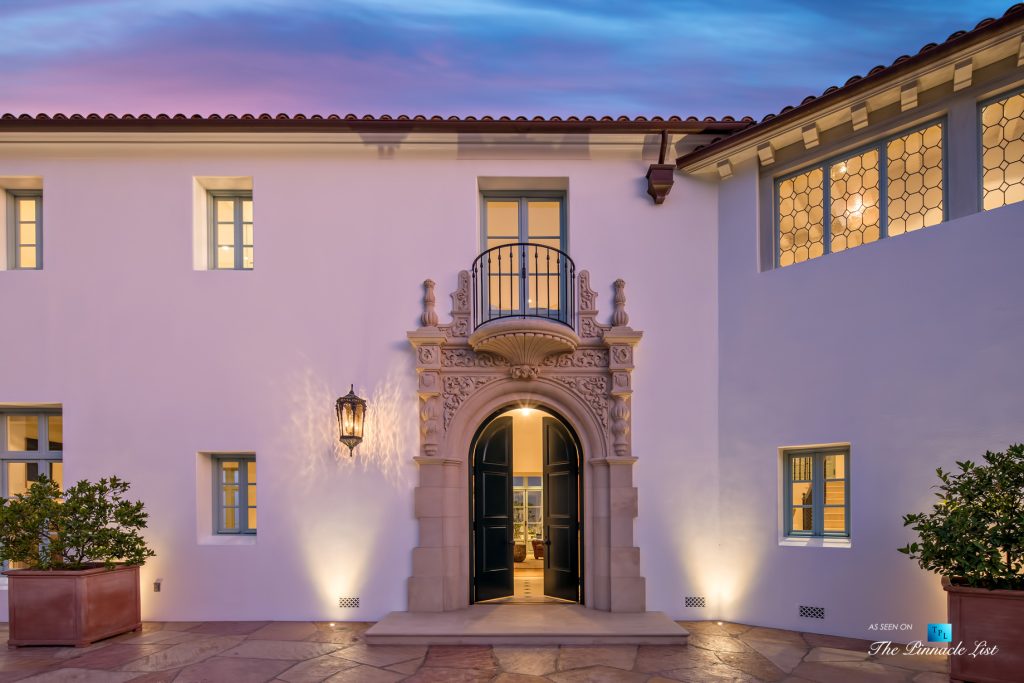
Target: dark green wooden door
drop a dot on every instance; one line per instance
(492, 502)
(561, 512)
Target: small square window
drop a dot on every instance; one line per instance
(231, 230)
(816, 492)
(24, 229)
(234, 490)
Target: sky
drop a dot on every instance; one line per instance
(453, 57)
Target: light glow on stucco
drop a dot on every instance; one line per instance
(312, 429)
(337, 549)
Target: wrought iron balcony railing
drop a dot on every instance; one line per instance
(524, 280)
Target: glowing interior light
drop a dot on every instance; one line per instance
(525, 411)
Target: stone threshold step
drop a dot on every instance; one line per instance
(526, 625)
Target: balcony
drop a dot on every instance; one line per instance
(524, 280)
(524, 303)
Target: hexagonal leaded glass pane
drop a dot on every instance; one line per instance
(915, 194)
(801, 217)
(855, 198)
(1002, 151)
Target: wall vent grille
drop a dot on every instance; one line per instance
(807, 612)
(348, 603)
(695, 601)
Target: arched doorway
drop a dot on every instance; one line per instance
(526, 500)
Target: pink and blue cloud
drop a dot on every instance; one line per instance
(462, 57)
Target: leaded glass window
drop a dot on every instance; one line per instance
(1002, 151)
(915, 197)
(888, 188)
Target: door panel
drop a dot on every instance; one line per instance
(492, 511)
(495, 494)
(561, 512)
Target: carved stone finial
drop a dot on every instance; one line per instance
(619, 317)
(429, 317)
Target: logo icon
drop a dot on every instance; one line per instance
(940, 633)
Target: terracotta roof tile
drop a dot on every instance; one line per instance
(400, 122)
(1013, 15)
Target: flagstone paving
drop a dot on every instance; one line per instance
(308, 652)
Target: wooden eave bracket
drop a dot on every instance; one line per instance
(1020, 51)
(724, 169)
(859, 115)
(766, 154)
(810, 135)
(908, 96)
(963, 73)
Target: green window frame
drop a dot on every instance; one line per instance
(25, 229)
(231, 242)
(234, 494)
(504, 292)
(523, 230)
(887, 225)
(820, 479)
(45, 456)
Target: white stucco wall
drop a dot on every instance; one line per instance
(910, 350)
(907, 348)
(155, 362)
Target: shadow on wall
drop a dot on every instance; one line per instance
(311, 433)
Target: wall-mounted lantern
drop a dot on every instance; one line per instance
(351, 415)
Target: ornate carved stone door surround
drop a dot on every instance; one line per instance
(464, 376)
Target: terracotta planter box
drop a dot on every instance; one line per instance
(977, 614)
(72, 607)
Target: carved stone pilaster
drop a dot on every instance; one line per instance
(621, 341)
(427, 342)
(620, 425)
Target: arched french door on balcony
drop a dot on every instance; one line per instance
(523, 269)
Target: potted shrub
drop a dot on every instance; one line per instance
(80, 551)
(974, 538)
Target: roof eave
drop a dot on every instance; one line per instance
(402, 125)
(888, 76)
